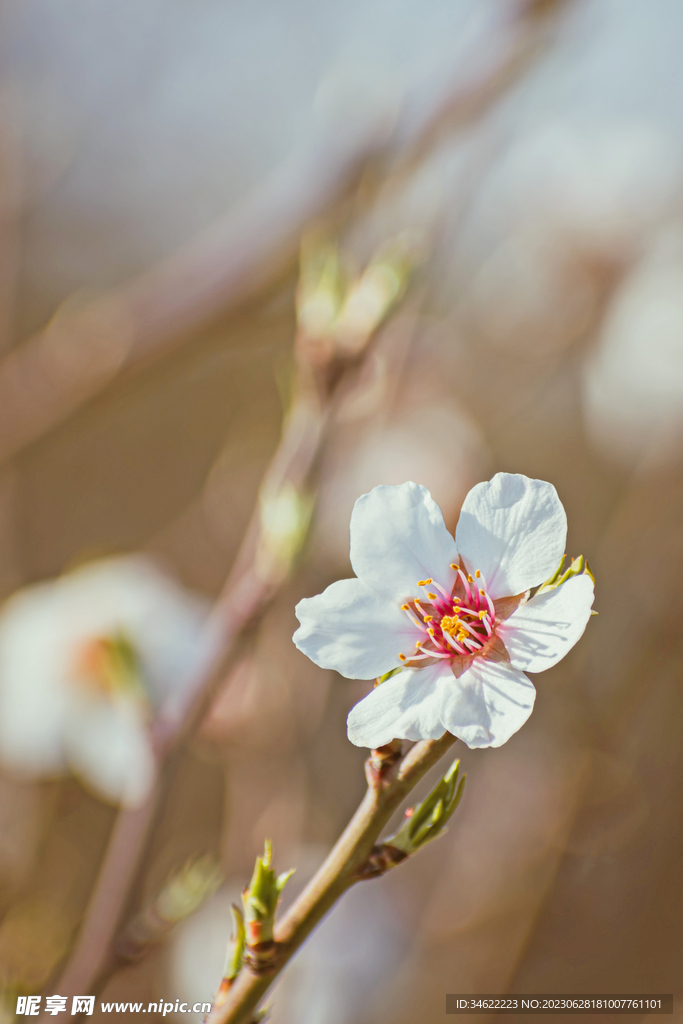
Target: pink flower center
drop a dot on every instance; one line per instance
(451, 625)
(109, 666)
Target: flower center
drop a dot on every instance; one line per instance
(451, 625)
(110, 666)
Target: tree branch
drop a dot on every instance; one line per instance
(255, 577)
(84, 348)
(248, 590)
(342, 869)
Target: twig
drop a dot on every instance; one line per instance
(244, 596)
(342, 869)
(255, 577)
(131, 324)
(126, 844)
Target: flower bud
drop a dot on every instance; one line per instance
(285, 517)
(337, 317)
(372, 296)
(578, 567)
(260, 899)
(234, 956)
(427, 821)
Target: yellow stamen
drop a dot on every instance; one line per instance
(429, 618)
(423, 583)
(469, 579)
(449, 624)
(402, 657)
(477, 574)
(454, 566)
(432, 597)
(482, 592)
(431, 632)
(405, 607)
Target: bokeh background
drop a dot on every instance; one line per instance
(159, 163)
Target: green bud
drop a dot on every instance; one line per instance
(188, 889)
(387, 675)
(371, 297)
(321, 288)
(233, 962)
(427, 821)
(261, 897)
(578, 567)
(285, 518)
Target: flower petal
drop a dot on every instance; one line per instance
(398, 537)
(34, 707)
(133, 595)
(543, 630)
(487, 704)
(107, 746)
(407, 706)
(514, 530)
(352, 629)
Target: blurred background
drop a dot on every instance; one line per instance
(159, 164)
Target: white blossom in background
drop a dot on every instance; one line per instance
(455, 613)
(633, 380)
(85, 660)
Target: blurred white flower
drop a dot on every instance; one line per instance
(570, 195)
(598, 184)
(633, 391)
(470, 633)
(84, 661)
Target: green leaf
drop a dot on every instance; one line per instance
(427, 821)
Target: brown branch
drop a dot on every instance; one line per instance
(126, 844)
(344, 867)
(245, 595)
(83, 349)
(252, 582)
(254, 579)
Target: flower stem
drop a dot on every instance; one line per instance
(245, 595)
(342, 869)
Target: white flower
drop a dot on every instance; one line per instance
(84, 660)
(455, 613)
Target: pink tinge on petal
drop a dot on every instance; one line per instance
(466, 630)
(455, 624)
